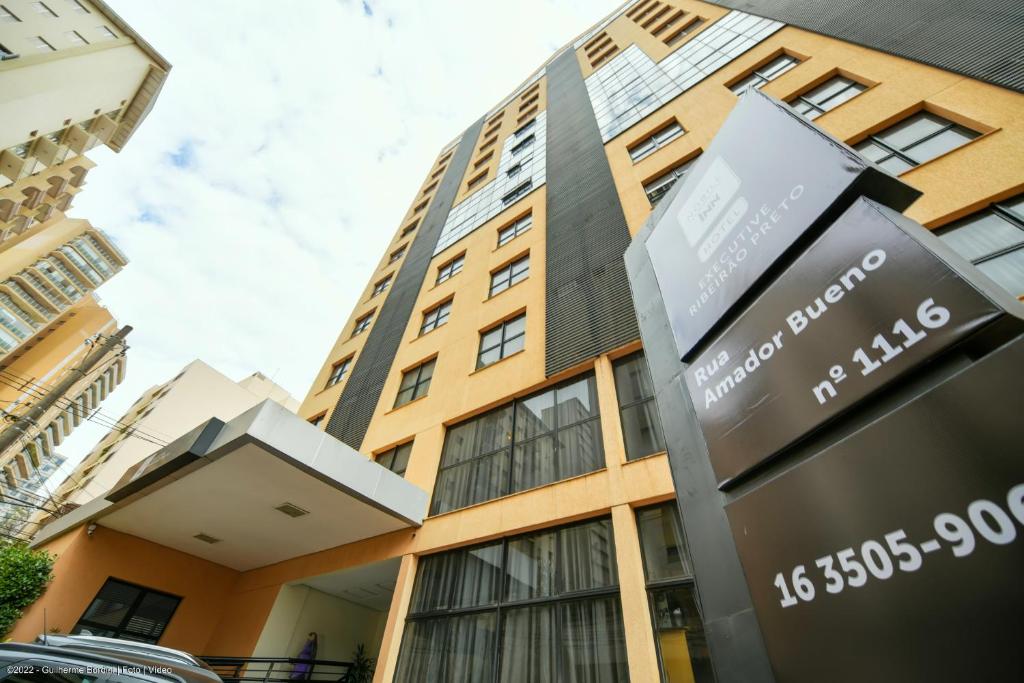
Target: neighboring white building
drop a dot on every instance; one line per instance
(162, 414)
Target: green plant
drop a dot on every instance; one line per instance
(361, 670)
(24, 575)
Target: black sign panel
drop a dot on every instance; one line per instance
(896, 554)
(768, 177)
(865, 304)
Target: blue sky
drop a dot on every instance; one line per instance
(261, 192)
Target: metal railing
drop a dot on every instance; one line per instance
(276, 669)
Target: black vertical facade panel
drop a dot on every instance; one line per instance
(589, 310)
(976, 38)
(359, 398)
(733, 633)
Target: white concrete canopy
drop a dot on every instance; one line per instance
(225, 480)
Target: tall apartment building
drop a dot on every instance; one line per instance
(73, 76)
(160, 415)
(519, 519)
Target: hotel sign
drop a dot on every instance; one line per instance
(862, 306)
(769, 178)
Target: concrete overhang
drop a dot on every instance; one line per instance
(225, 481)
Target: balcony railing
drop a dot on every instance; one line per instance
(275, 669)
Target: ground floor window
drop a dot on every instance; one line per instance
(540, 607)
(679, 630)
(124, 610)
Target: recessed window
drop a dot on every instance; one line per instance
(435, 317)
(827, 96)
(43, 8)
(415, 383)
(106, 33)
(765, 73)
(546, 437)
(916, 139)
(483, 160)
(318, 419)
(422, 205)
(381, 286)
(517, 193)
(450, 268)
(39, 44)
(476, 180)
(520, 146)
(514, 170)
(552, 595)
(396, 459)
(501, 341)
(429, 188)
(407, 230)
(362, 324)
(396, 254)
(78, 7)
(656, 141)
(674, 38)
(338, 371)
(75, 38)
(509, 275)
(993, 240)
(510, 232)
(679, 630)
(525, 128)
(641, 427)
(6, 16)
(126, 611)
(657, 189)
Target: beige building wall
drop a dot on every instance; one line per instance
(162, 414)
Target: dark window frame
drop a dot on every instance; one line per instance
(363, 323)
(436, 316)
(816, 107)
(450, 268)
(640, 150)
(663, 182)
(517, 193)
(509, 275)
(514, 229)
(900, 154)
(503, 341)
(389, 457)
(762, 78)
(339, 370)
(623, 407)
(121, 628)
(397, 254)
(1002, 211)
(508, 448)
(502, 605)
(420, 385)
(656, 586)
(523, 144)
(381, 285)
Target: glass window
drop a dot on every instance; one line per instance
(396, 254)
(656, 141)
(409, 228)
(510, 232)
(641, 427)
(502, 341)
(396, 459)
(531, 585)
(78, 7)
(450, 268)
(657, 189)
(525, 127)
(381, 286)
(42, 8)
(517, 193)
(682, 647)
(913, 141)
(827, 96)
(6, 16)
(993, 239)
(509, 275)
(362, 324)
(520, 146)
(765, 73)
(546, 437)
(106, 33)
(415, 383)
(685, 31)
(435, 317)
(123, 610)
(318, 420)
(75, 38)
(338, 371)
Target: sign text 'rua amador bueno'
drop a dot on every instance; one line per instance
(865, 304)
(769, 178)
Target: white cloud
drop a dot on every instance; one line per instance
(261, 192)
